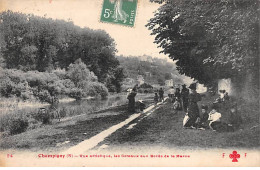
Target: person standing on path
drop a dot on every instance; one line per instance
(171, 93)
(184, 97)
(193, 109)
(131, 100)
(161, 92)
(177, 95)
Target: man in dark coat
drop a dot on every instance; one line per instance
(161, 92)
(193, 109)
(184, 97)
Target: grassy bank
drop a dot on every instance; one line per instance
(164, 128)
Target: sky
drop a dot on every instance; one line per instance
(135, 41)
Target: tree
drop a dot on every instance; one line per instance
(209, 39)
(80, 75)
(30, 42)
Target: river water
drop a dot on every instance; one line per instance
(86, 106)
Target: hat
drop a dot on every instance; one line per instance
(193, 86)
(222, 91)
(184, 85)
(204, 107)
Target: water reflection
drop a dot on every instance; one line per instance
(108, 102)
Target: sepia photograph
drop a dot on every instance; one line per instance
(129, 83)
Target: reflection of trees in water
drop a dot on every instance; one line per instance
(91, 105)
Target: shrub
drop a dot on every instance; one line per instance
(25, 95)
(44, 96)
(96, 88)
(76, 93)
(6, 86)
(17, 125)
(145, 85)
(79, 72)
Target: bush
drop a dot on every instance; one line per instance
(146, 85)
(96, 88)
(44, 96)
(25, 95)
(76, 93)
(6, 87)
(17, 125)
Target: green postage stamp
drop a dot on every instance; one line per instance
(119, 12)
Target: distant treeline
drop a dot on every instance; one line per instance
(30, 42)
(153, 70)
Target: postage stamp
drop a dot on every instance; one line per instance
(119, 12)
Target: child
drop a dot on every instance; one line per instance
(156, 98)
(204, 118)
(205, 115)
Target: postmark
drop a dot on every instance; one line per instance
(121, 12)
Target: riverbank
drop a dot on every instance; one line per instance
(163, 128)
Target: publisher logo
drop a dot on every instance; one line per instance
(234, 156)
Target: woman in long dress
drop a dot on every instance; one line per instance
(131, 100)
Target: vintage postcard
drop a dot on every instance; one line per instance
(132, 83)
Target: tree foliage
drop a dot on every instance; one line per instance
(30, 42)
(208, 39)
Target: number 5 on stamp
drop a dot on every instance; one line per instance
(119, 12)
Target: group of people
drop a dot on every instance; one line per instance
(179, 98)
(210, 119)
(160, 97)
(187, 100)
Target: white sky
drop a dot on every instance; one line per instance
(86, 13)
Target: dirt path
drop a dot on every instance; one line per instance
(88, 144)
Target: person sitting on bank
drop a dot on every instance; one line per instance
(141, 105)
(234, 117)
(204, 117)
(215, 121)
(226, 96)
